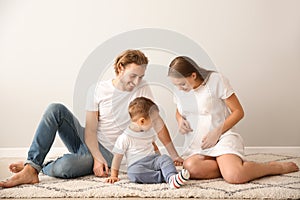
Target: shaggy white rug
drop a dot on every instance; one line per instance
(273, 187)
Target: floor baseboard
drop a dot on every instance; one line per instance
(22, 152)
(58, 151)
(294, 150)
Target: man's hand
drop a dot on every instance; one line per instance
(100, 168)
(178, 161)
(112, 179)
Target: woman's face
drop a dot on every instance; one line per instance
(185, 83)
(131, 75)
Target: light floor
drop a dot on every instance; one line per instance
(4, 162)
(5, 173)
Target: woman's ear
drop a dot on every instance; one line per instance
(194, 75)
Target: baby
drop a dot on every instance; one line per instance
(137, 143)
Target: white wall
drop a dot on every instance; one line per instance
(255, 43)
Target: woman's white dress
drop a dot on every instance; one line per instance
(205, 110)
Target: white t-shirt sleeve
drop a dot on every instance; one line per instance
(221, 85)
(91, 102)
(121, 145)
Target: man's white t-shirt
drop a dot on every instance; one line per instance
(112, 105)
(135, 145)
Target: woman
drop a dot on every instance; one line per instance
(207, 110)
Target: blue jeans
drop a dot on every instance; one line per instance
(79, 162)
(152, 169)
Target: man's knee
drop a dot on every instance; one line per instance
(55, 112)
(55, 107)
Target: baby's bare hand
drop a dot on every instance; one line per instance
(112, 179)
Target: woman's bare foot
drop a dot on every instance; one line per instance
(16, 167)
(28, 175)
(285, 167)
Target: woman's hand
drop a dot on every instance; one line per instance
(184, 126)
(237, 113)
(112, 179)
(211, 139)
(100, 168)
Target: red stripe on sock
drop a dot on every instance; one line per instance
(173, 181)
(181, 182)
(175, 185)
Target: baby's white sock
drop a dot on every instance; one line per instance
(177, 180)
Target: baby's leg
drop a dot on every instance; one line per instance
(177, 180)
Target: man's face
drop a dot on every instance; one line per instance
(131, 76)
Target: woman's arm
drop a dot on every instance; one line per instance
(183, 124)
(236, 114)
(100, 165)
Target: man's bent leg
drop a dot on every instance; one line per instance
(41, 144)
(57, 118)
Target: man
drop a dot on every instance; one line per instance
(90, 147)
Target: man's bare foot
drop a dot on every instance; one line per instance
(16, 167)
(28, 175)
(285, 167)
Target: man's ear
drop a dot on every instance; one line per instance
(120, 68)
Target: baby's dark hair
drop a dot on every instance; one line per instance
(141, 107)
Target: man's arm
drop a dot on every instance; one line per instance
(100, 165)
(164, 137)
